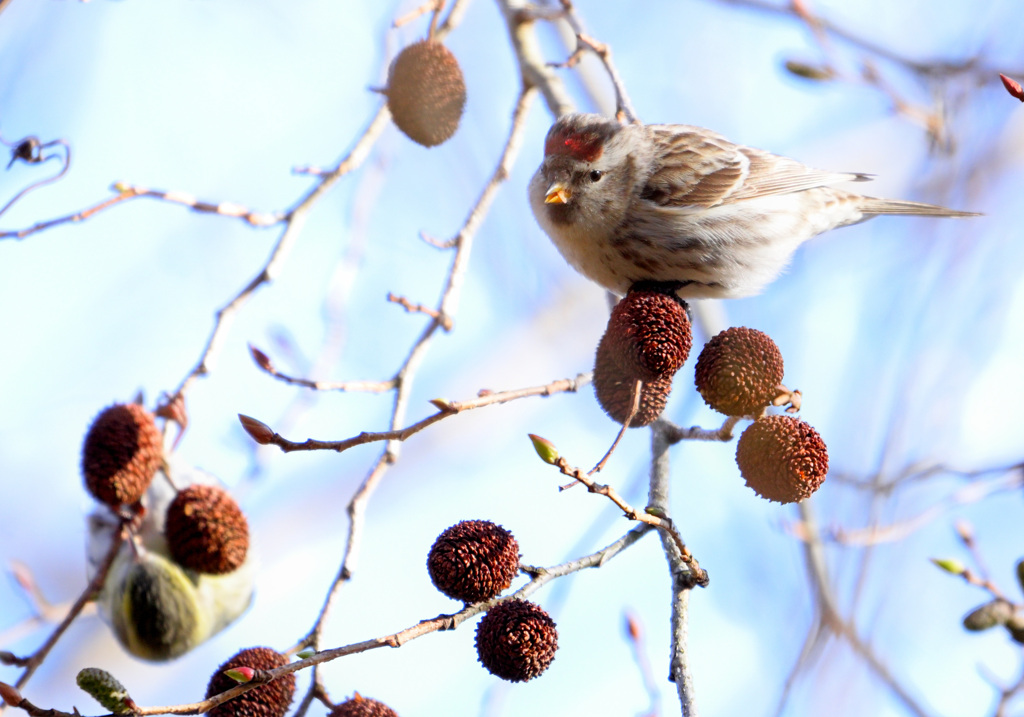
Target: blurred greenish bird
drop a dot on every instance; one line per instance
(159, 610)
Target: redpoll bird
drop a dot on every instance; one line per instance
(681, 204)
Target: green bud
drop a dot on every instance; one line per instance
(806, 71)
(308, 652)
(241, 675)
(105, 689)
(545, 449)
(997, 612)
(954, 567)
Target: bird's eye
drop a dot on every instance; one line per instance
(595, 175)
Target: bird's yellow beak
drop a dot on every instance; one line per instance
(558, 193)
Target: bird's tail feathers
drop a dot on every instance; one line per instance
(872, 205)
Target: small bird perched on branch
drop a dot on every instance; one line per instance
(684, 205)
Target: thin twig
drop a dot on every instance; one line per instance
(832, 618)
(445, 321)
(46, 180)
(294, 222)
(635, 634)
(539, 578)
(33, 661)
(966, 495)
(447, 307)
(532, 66)
(224, 209)
(674, 434)
(653, 516)
(634, 407)
(623, 106)
(684, 574)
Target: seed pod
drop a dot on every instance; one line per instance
(121, 453)
(426, 92)
(995, 612)
(269, 700)
(739, 372)
(106, 689)
(473, 560)
(614, 390)
(206, 530)
(782, 458)
(649, 335)
(360, 706)
(516, 640)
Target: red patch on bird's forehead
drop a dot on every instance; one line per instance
(585, 146)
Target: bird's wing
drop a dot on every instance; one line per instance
(699, 168)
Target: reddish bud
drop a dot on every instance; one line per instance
(1013, 87)
(261, 359)
(633, 629)
(241, 674)
(257, 430)
(10, 694)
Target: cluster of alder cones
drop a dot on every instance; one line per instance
(648, 339)
(205, 529)
(739, 373)
(472, 561)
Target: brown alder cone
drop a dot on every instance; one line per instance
(649, 334)
(473, 560)
(426, 92)
(269, 700)
(782, 458)
(739, 372)
(516, 640)
(206, 531)
(121, 453)
(360, 706)
(614, 390)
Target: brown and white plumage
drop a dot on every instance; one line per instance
(682, 204)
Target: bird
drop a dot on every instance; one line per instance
(681, 205)
(158, 609)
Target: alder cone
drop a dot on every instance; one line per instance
(206, 531)
(613, 387)
(122, 451)
(649, 334)
(516, 640)
(473, 560)
(426, 92)
(360, 706)
(739, 371)
(782, 458)
(269, 700)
